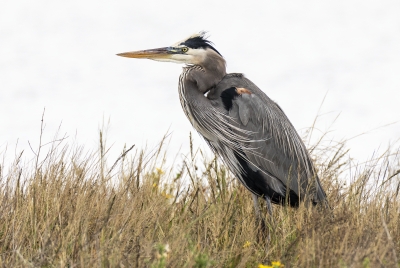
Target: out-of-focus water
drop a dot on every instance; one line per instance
(61, 57)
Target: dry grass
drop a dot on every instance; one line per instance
(70, 209)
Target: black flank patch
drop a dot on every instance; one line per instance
(255, 180)
(227, 96)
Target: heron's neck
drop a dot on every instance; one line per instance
(194, 82)
(204, 76)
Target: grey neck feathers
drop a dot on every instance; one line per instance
(206, 74)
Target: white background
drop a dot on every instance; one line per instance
(61, 55)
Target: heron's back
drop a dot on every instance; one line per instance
(271, 156)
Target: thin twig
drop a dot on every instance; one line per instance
(389, 238)
(119, 158)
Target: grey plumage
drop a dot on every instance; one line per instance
(242, 125)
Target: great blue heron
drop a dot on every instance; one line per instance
(242, 125)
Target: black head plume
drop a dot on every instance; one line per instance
(199, 41)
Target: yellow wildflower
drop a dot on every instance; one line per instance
(246, 244)
(159, 171)
(166, 251)
(162, 252)
(277, 264)
(168, 196)
(154, 185)
(274, 264)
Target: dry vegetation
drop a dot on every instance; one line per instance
(69, 209)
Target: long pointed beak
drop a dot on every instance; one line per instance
(156, 53)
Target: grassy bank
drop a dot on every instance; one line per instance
(71, 209)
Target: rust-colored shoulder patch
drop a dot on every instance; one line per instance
(242, 90)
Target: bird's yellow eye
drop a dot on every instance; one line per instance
(185, 49)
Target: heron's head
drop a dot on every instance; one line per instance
(195, 49)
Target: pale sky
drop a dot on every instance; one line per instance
(61, 56)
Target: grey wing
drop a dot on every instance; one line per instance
(273, 157)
